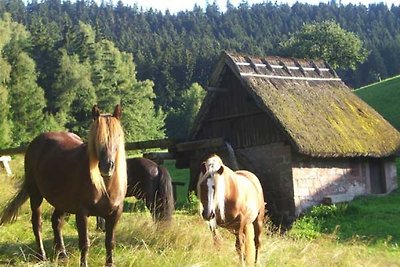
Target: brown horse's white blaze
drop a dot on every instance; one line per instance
(233, 200)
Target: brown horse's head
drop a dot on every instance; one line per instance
(106, 144)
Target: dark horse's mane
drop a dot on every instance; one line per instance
(151, 183)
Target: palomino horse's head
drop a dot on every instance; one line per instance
(106, 144)
(211, 188)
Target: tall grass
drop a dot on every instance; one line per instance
(361, 233)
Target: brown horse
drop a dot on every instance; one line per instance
(151, 183)
(235, 201)
(78, 178)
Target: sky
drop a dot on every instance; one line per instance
(175, 6)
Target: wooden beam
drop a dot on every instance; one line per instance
(234, 116)
(159, 143)
(200, 144)
(14, 150)
(159, 155)
(216, 89)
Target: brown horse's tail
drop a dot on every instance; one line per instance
(10, 212)
(165, 198)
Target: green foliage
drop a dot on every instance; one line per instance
(74, 93)
(171, 50)
(180, 120)
(22, 99)
(193, 204)
(26, 111)
(328, 41)
(93, 71)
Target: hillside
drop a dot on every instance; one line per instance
(384, 97)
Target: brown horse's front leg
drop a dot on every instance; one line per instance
(111, 222)
(84, 243)
(57, 222)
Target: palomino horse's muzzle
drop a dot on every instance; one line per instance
(208, 215)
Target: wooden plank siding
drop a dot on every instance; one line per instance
(235, 116)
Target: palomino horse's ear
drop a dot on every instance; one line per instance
(203, 168)
(95, 112)
(221, 170)
(117, 112)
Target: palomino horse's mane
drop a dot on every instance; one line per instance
(106, 130)
(213, 166)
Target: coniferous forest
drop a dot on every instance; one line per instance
(59, 57)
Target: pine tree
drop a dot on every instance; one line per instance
(25, 97)
(75, 93)
(180, 120)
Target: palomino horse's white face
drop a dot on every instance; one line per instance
(209, 212)
(212, 195)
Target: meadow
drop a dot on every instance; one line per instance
(364, 232)
(384, 97)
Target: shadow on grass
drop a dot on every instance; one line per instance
(25, 252)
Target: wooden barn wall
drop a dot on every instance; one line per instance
(272, 165)
(339, 179)
(235, 116)
(390, 173)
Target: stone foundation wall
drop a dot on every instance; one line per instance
(343, 179)
(272, 165)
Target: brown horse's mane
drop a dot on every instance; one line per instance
(106, 130)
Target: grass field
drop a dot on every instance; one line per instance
(384, 97)
(362, 233)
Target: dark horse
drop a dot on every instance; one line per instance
(78, 178)
(153, 184)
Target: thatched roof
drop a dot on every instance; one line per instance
(317, 112)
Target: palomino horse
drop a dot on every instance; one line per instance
(74, 177)
(153, 184)
(235, 201)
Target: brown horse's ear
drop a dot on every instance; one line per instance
(117, 112)
(203, 168)
(221, 170)
(95, 112)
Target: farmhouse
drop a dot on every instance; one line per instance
(298, 127)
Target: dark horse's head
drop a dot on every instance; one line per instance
(106, 144)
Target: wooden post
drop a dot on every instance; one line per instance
(5, 160)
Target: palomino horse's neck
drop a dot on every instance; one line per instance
(220, 183)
